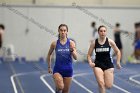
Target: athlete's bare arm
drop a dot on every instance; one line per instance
(117, 52)
(73, 49)
(90, 51)
(49, 56)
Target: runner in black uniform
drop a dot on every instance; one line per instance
(103, 58)
(103, 66)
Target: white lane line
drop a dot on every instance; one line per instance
(16, 75)
(131, 78)
(81, 85)
(82, 74)
(13, 83)
(121, 89)
(46, 83)
(125, 91)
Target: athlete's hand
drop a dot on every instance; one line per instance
(72, 46)
(119, 66)
(50, 70)
(92, 65)
(71, 50)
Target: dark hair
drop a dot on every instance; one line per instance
(63, 25)
(117, 24)
(60, 27)
(2, 26)
(101, 27)
(93, 24)
(137, 24)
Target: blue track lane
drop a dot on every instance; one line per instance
(28, 74)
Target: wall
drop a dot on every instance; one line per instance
(79, 2)
(36, 42)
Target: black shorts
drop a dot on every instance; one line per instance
(104, 65)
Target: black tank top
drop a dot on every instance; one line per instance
(117, 36)
(103, 51)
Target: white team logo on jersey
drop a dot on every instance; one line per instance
(63, 50)
(102, 49)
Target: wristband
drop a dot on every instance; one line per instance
(71, 49)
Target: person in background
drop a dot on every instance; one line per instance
(2, 28)
(95, 32)
(117, 37)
